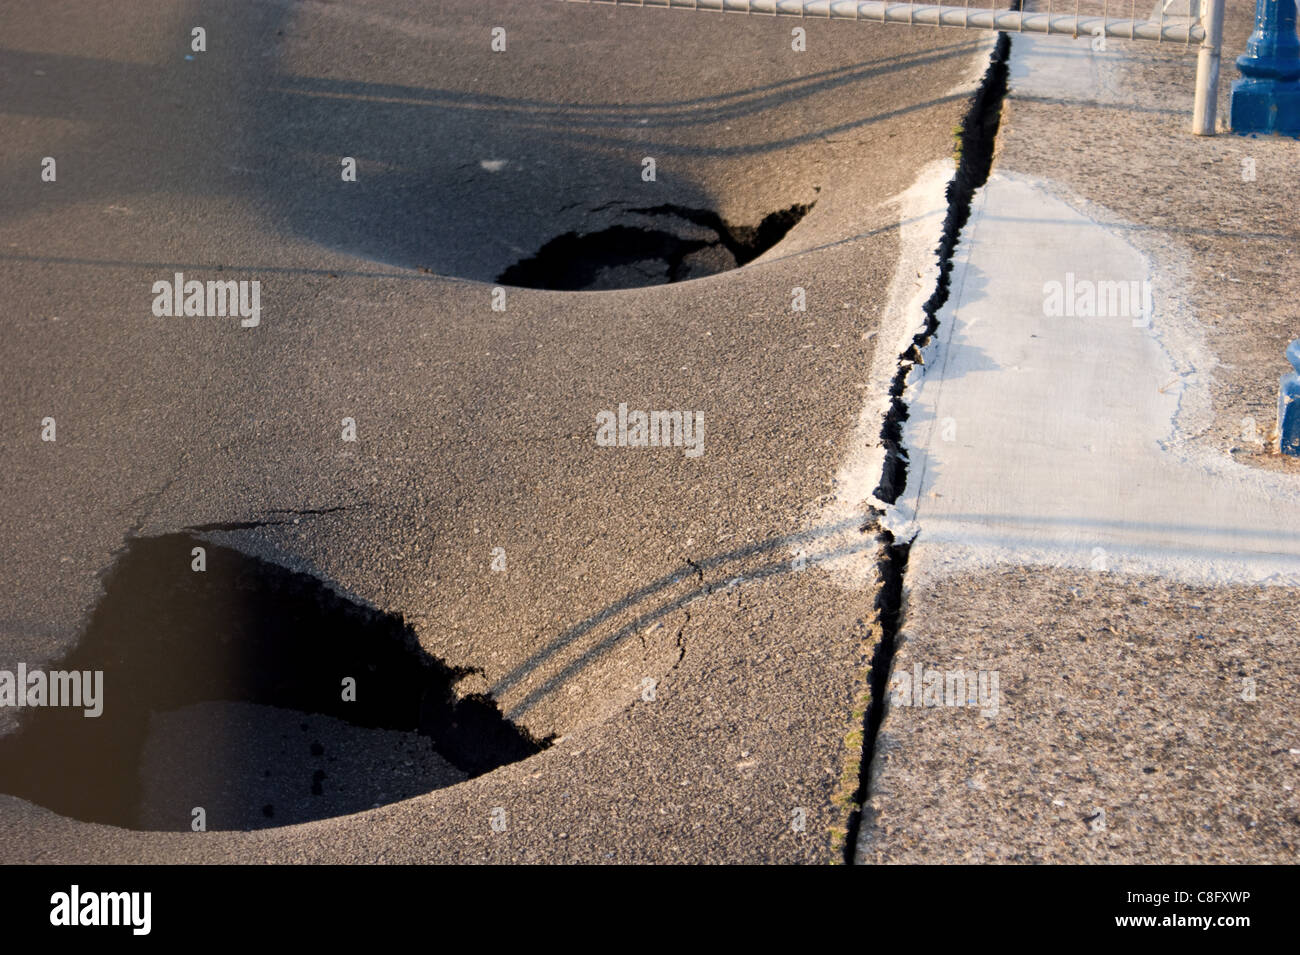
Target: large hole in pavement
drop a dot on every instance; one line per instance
(658, 245)
(224, 689)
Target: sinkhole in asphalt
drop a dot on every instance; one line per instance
(224, 690)
(655, 246)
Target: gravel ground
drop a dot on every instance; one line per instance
(1166, 706)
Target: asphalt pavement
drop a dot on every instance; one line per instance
(648, 616)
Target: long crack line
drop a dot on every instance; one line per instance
(978, 137)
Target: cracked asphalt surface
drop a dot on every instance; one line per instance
(648, 615)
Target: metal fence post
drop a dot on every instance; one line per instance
(1267, 97)
(1205, 108)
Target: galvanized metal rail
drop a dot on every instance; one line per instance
(1207, 30)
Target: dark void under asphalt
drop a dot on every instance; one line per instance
(685, 244)
(224, 690)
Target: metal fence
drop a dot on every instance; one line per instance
(1202, 24)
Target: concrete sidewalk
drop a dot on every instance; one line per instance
(1048, 437)
(1102, 539)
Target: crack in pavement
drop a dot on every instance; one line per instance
(978, 136)
(250, 525)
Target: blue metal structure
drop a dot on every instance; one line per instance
(1288, 404)
(1267, 97)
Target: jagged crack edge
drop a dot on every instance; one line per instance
(978, 138)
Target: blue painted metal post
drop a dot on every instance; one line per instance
(1288, 404)
(1267, 97)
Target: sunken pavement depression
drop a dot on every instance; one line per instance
(254, 693)
(539, 432)
(655, 246)
(497, 633)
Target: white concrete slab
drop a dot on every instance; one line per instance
(1050, 438)
(832, 536)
